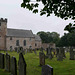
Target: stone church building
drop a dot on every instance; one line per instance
(11, 38)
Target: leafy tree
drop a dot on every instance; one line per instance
(61, 8)
(43, 35)
(67, 40)
(48, 37)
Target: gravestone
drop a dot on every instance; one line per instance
(41, 49)
(60, 55)
(49, 53)
(57, 51)
(22, 65)
(47, 70)
(13, 66)
(26, 51)
(2, 63)
(63, 52)
(72, 53)
(7, 62)
(42, 58)
(35, 51)
(15, 49)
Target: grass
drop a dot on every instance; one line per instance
(65, 67)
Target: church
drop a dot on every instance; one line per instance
(11, 38)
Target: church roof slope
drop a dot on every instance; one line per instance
(19, 33)
(37, 37)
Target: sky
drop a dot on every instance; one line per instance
(20, 18)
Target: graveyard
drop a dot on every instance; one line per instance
(33, 67)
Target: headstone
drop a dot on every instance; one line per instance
(72, 53)
(57, 51)
(22, 65)
(42, 58)
(13, 66)
(63, 52)
(7, 62)
(2, 63)
(35, 51)
(60, 55)
(15, 49)
(26, 51)
(47, 70)
(41, 49)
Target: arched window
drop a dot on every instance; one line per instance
(24, 42)
(17, 42)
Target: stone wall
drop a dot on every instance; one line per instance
(3, 30)
(29, 42)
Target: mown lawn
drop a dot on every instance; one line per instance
(65, 67)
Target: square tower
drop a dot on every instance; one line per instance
(3, 31)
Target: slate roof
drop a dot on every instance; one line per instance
(37, 37)
(19, 33)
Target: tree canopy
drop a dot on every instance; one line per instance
(67, 40)
(64, 9)
(48, 37)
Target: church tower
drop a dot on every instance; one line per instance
(3, 31)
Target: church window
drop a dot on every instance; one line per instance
(35, 44)
(24, 42)
(10, 38)
(17, 42)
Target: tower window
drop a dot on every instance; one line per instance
(10, 38)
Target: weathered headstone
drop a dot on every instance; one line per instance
(7, 62)
(72, 53)
(60, 55)
(63, 52)
(13, 66)
(35, 51)
(15, 49)
(57, 51)
(47, 70)
(2, 63)
(22, 65)
(42, 58)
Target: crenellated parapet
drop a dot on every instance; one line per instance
(3, 20)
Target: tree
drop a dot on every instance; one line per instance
(67, 40)
(48, 37)
(64, 9)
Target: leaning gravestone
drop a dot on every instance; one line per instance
(13, 66)
(7, 62)
(47, 70)
(42, 58)
(2, 64)
(72, 53)
(22, 65)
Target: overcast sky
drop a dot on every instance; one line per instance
(20, 18)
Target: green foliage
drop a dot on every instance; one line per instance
(65, 67)
(48, 37)
(64, 9)
(67, 40)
